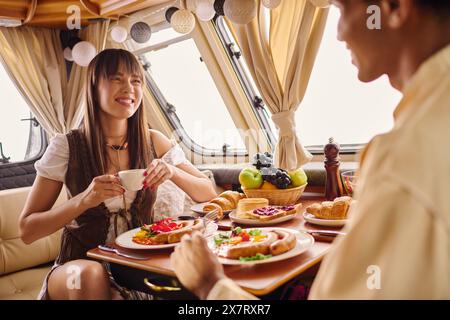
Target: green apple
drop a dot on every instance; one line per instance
(250, 178)
(298, 177)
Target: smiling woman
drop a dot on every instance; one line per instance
(113, 138)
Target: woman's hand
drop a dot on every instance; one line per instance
(156, 173)
(197, 268)
(102, 188)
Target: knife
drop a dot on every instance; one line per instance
(325, 235)
(136, 256)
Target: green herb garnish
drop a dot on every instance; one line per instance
(237, 230)
(221, 238)
(255, 232)
(258, 256)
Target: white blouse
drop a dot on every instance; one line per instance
(53, 165)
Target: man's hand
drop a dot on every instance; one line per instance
(195, 265)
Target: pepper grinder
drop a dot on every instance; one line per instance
(333, 183)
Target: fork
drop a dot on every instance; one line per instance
(136, 256)
(210, 217)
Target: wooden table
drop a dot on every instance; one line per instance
(259, 279)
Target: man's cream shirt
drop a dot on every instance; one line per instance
(398, 236)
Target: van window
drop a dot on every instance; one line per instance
(21, 137)
(178, 73)
(247, 81)
(336, 103)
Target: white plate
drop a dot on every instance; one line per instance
(323, 222)
(125, 240)
(254, 222)
(304, 242)
(198, 208)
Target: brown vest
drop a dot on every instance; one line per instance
(91, 227)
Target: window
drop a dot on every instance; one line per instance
(21, 137)
(336, 103)
(241, 69)
(181, 82)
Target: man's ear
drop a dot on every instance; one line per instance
(396, 12)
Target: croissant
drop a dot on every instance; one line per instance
(232, 196)
(213, 206)
(226, 201)
(331, 210)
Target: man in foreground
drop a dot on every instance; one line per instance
(400, 228)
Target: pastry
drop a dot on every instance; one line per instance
(248, 204)
(213, 206)
(227, 201)
(224, 203)
(232, 196)
(331, 210)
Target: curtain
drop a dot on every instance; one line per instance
(280, 57)
(33, 57)
(75, 98)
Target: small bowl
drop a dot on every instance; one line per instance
(349, 180)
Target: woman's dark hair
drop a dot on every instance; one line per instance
(103, 66)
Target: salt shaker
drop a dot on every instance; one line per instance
(333, 184)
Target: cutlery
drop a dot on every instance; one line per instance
(210, 217)
(327, 233)
(136, 256)
(324, 235)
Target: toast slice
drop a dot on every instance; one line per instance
(280, 213)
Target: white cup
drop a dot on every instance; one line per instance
(132, 179)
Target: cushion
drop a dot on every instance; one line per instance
(23, 285)
(14, 254)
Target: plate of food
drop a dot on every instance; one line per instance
(163, 234)
(225, 203)
(258, 245)
(265, 216)
(323, 222)
(329, 213)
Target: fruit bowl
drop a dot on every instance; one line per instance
(279, 197)
(349, 179)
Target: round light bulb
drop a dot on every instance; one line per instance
(83, 52)
(271, 4)
(205, 10)
(240, 11)
(183, 21)
(119, 34)
(140, 32)
(68, 54)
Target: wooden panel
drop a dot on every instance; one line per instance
(52, 13)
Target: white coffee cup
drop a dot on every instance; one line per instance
(132, 179)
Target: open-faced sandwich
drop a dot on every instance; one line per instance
(166, 231)
(273, 212)
(253, 244)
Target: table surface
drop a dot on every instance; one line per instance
(258, 279)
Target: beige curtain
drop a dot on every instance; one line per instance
(74, 99)
(280, 58)
(33, 57)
